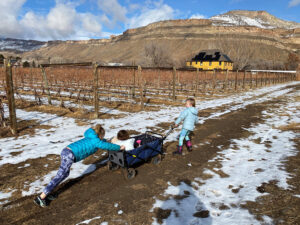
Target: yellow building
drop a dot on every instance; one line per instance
(210, 60)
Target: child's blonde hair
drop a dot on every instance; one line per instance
(99, 130)
(192, 101)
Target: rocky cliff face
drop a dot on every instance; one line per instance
(268, 39)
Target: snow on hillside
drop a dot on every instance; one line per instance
(8, 44)
(238, 20)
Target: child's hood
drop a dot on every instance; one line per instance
(90, 133)
(193, 110)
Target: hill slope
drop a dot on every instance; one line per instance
(253, 38)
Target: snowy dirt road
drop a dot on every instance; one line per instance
(238, 148)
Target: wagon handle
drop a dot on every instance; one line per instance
(169, 132)
(150, 132)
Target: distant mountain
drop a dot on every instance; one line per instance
(250, 38)
(261, 19)
(19, 45)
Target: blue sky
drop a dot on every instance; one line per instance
(84, 19)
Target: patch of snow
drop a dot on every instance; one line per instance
(26, 165)
(4, 196)
(104, 223)
(120, 212)
(89, 220)
(240, 165)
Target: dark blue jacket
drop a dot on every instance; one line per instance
(89, 145)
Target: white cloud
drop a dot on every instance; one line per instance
(9, 10)
(114, 12)
(293, 3)
(197, 16)
(151, 12)
(62, 22)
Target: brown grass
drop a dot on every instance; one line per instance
(292, 127)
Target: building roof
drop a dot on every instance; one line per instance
(211, 55)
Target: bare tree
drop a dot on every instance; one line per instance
(241, 52)
(158, 55)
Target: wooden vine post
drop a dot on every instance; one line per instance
(174, 83)
(244, 78)
(251, 80)
(46, 85)
(214, 82)
(10, 97)
(226, 81)
(236, 80)
(134, 84)
(96, 83)
(141, 87)
(197, 81)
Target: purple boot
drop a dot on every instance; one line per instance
(179, 151)
(189, 145)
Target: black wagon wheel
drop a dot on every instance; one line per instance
(129, 173)
(156, 159)
(112, 166)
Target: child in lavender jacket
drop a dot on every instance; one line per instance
(190, 117)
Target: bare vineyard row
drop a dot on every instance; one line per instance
(124, 83)
(130, 82)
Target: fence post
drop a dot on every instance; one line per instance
(10, 97)
(250, 80)
(96, 97)
(158, 78)
(197, 80)
(204, 81)
(141, 87)
(244, 78)
(134, 83)
(46, 85)
(226, 80)
(236, 80)
(214, 82)
(174, 83)
(256, 79)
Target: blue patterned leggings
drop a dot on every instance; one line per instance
(67, 159)
(184, 134)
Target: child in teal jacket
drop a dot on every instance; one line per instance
(190, 117)
(79, 150)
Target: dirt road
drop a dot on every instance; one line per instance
(107, 196)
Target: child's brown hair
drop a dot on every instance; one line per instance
(123, 135)
(192, 101)
(99, 130)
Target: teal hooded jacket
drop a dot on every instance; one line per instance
(89, 145)
(189, 117)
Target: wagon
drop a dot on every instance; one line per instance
(148, 148)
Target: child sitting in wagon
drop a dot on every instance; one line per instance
(123, 138)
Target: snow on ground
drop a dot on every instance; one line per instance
(240, 162)
(88, 221)
(65, 131)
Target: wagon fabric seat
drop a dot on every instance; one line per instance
(150, 147)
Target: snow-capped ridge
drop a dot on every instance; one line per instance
(261, 19)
